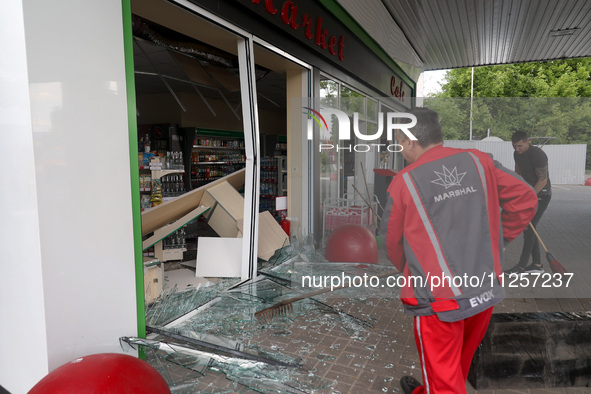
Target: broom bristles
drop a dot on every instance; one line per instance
(555, 265)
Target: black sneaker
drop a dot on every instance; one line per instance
(534, 269)
(517, 270)
(408, 384)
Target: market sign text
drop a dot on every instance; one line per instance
(312, 27)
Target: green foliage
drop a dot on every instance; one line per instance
(550, 99)
(557, 78)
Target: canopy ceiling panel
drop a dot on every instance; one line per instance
(464, 33)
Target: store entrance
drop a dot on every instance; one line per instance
(194, 153)
(190, 134)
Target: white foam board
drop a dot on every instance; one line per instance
(218, 257)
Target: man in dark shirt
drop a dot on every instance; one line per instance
(532, 164)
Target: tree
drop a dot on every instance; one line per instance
(557, 78)
(550, 99)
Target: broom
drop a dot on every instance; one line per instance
(284, 307)
(555, 265)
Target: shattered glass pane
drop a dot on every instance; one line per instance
(250, 374)
(291, 351)
(302, 249)
(280, 340)
(180, 380)
(174, 304)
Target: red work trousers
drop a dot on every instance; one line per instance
(446, 350)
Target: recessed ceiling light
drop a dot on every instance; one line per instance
(563, 32)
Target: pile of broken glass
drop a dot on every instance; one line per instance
(208, 339)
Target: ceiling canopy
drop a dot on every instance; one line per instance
(448, 34)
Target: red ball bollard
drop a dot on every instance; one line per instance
(588, 182)
(103, 373)
(352, 243)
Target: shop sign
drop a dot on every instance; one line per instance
(344, 132)
(398, 88)
(310, 25)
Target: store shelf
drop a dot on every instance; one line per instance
(217, 147)
(157, 174)
(209, 179)
(171, 254)
(215, 154)
(272, 183)
(165, 231)
(205, 163)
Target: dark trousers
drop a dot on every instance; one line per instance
(531, 246)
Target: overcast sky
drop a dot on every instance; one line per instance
(432, 81)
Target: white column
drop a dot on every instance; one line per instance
(23, 359)
(298, 156)
(67, 232)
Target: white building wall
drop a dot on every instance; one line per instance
(566, 163)
(74, 293)
(23, 358)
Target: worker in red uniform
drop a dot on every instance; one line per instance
(450, 214)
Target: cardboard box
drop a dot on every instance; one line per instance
(271, 235)
(227, 207)
(169, 211)
(226, 218)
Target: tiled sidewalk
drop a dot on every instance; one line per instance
(372, 362)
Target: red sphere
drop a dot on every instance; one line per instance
(588, 182)
(352, 243)
(103, 373)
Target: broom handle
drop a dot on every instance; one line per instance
(367, 189)
(538, 236)
(368, 203)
